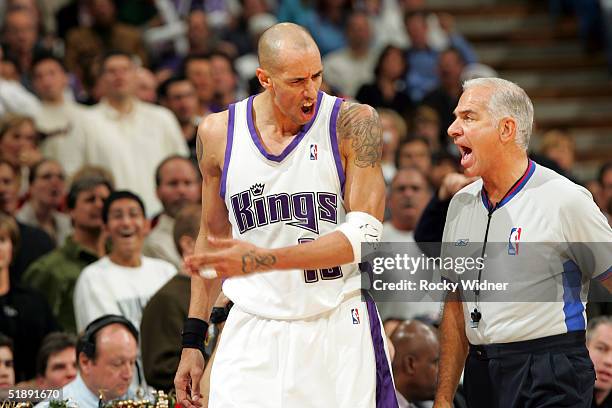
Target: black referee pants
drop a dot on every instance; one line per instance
(550, 372)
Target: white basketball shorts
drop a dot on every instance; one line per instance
(336, 359)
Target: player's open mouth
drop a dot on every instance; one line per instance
(308, 108)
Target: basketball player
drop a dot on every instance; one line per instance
(294, 176)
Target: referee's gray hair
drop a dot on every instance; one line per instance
(508, 99)
(595, 323)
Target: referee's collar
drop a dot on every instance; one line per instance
(518, 186)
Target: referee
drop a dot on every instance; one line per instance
(518, 354)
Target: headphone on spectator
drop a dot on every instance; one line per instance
(87, 342)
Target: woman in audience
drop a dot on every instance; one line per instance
(19, 145)
(388, 91)
(47, 190)
(24, 313)
(7, 372)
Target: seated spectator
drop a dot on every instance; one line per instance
(178, 184)
(350, 67)
(414, 151)
(326, 23)
(163, 317)
(605, 183)
(444, 98)
(56, 274)
(426, 123)
(122, 282)
(146, 85)
(55, 362)
(21, 39)
(84, 45)
(127, 134)
(25, 314)
(7, 370)
(47, 189)
(442, 164)
(409, 193)
(19, 146)
(15, 98)
(599, 344)
(178, 94)
(106, 357)
(422, 59)
(394, 132)
(559, 146)
(225, 79)
(388, 90)
(198, 70)
(38, 242)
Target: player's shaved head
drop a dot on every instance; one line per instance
(280, 38)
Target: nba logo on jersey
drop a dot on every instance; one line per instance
(355, 316)
(313, 152)
(513, 241)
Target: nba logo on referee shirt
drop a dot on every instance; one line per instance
(513, 241)
(355, 316)
(313, 152)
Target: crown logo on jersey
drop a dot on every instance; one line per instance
(257, 189)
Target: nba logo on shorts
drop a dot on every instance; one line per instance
(313, 152)
(355, 315)
(513, 241)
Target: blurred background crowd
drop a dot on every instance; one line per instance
(99, 106)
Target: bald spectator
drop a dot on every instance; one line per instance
(86, 44)
(179, 95)
(415, 365)
(146, 85)
(178, 184)
(198, 70)
(348, 68)
(599, 344)
(409, 193)
(414, 151)
(106, 355)
(127, 136)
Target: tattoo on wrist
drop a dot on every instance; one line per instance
(360, 124)
(252, 261)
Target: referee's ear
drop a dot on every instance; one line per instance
(507, 130)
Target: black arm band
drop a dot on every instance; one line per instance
(194, 333)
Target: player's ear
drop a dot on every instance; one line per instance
(264, 78)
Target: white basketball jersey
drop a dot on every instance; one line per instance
(278, 201)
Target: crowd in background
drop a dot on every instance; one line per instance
(99, 186)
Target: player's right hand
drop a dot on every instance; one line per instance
(187, 379)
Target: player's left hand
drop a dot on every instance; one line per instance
(231, 257)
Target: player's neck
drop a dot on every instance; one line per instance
(267, 115)
(507, 170)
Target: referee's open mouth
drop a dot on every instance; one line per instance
(466, 155)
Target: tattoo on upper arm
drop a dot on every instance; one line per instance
(251, 261)
(360, 124)
(199, 148)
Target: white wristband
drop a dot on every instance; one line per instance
(360, 227)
